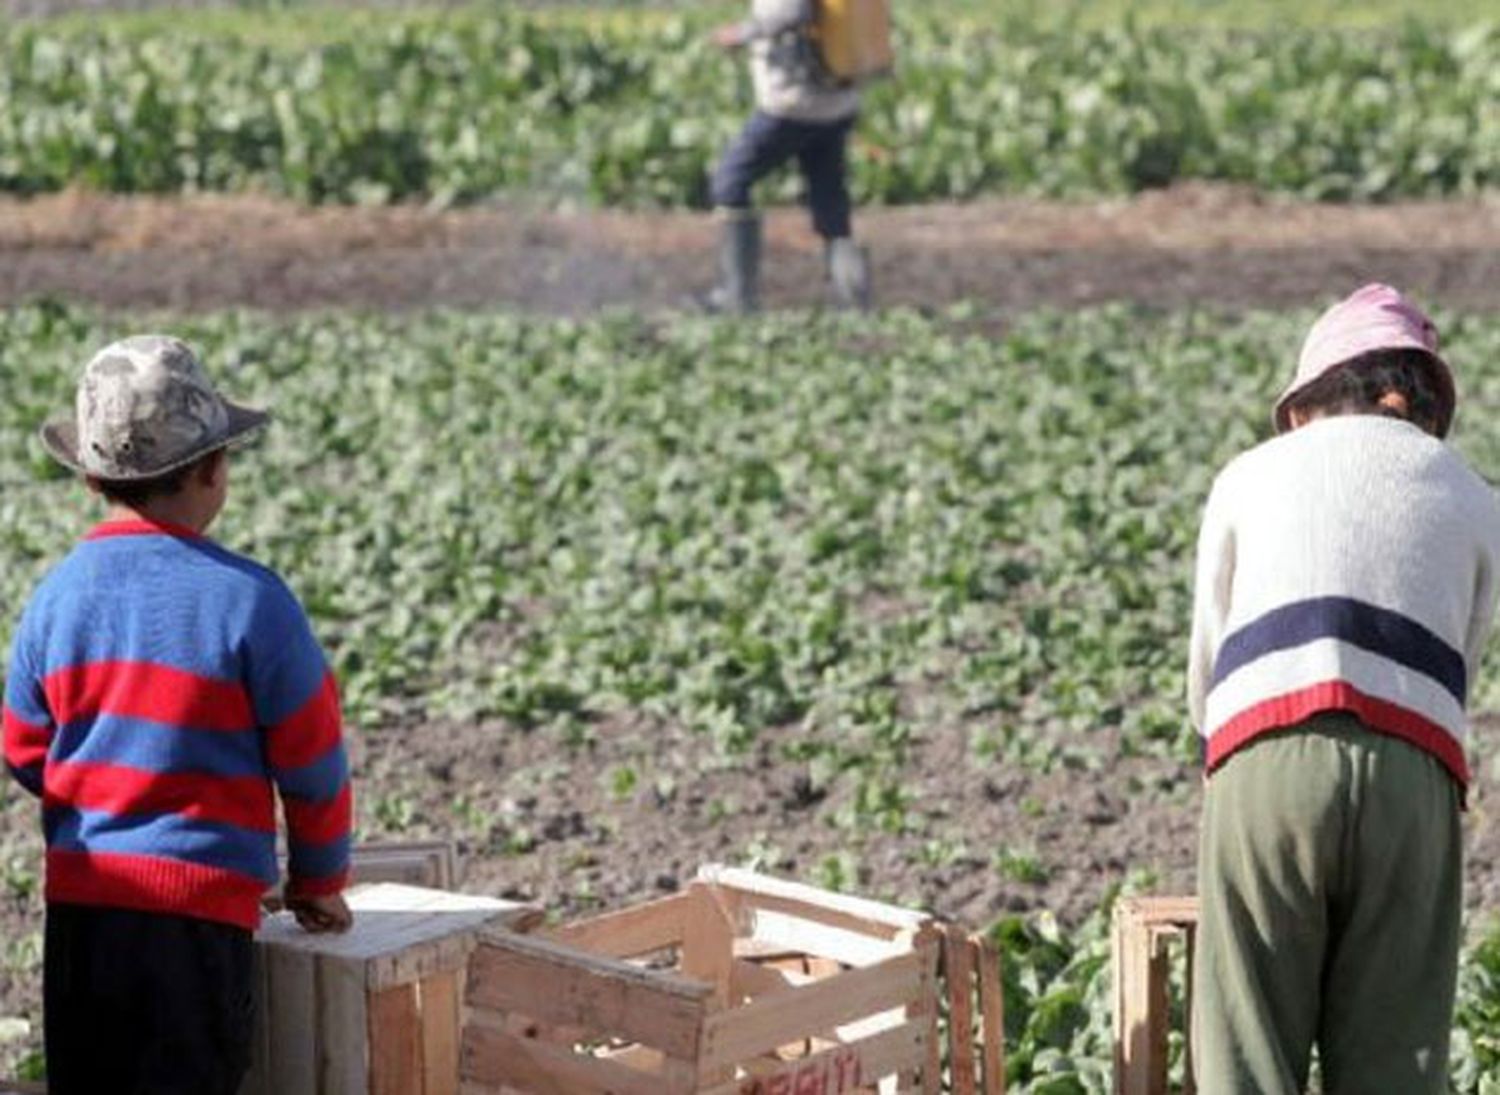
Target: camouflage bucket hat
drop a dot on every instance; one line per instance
(145, 407)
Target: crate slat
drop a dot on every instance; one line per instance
(958, 969)
(992, 1014)
(395, 1020)
(839, 1069)
(496, 1057)
(430, 864)
(781, 1018)
(640, 929)
(849, 948)
(708, 943)
(343, 1028)
(859, 914)
(539, 978)
(929, 945)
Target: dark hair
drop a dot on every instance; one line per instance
(1356, 387)
(135, 493)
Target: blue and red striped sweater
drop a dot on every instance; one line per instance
(161, 691)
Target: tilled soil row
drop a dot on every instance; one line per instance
(1187, 246)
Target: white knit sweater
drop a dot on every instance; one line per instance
(1347, 565)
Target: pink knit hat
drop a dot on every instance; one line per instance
(1376, 317)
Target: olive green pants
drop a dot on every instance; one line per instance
(1330, 874)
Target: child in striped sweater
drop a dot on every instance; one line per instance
(161, 690)
(1346, 584)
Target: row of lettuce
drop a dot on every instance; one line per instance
(625, 112)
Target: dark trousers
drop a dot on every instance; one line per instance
(1331, 874)
(821, 150)
(139, 1003)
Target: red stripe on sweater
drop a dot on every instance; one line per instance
(317, 887)
(320, 822)
(1280, 712)
(309, 732)
(154, 885)
(145, 690)
(141, 527)
(25, 742)
(244, 801)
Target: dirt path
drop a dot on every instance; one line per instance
(1194, 244)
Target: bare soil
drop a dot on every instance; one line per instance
(1189, 245)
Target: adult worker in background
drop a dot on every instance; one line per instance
(800, 112)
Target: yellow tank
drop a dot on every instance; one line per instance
(854, 37)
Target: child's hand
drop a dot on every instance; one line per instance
(321, 914)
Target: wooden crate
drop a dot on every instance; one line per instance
(740, 985)
(1145, 928)
(431, 864)
(375, 1011)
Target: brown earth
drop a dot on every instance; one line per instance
(1192, 244)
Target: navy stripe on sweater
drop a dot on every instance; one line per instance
(160, 747)
(1366, 626)
(206, 843)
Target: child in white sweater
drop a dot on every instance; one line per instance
(1346, 583)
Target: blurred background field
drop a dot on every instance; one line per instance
(569, 105)
(314, 15)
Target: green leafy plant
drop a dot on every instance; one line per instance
(487, 102)
(872, 532)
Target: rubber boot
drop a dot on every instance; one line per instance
(738, 291)
(849, 274)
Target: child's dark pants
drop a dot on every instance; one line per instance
(767, 142)
(140, 1003)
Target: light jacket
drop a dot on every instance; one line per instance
(785, 68)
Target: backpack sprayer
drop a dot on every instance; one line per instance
(853, 40)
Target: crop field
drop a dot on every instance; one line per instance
(893, 604)
(607, 597)
(469, 106)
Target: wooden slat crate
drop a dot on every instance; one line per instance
(431, 864)
(375, 1011)
(1144, 929)
(740, 985)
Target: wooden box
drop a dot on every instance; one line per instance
(427, 863)
(375, 1011)
(431, 864)
(740, 985)
(1145, 928)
